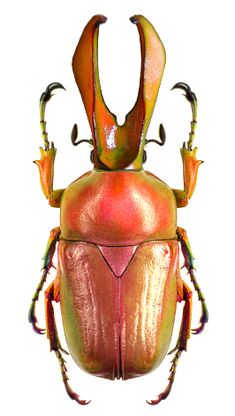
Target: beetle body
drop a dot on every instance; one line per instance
(118, 278)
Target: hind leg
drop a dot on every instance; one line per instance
(183, 337)
(52, 294)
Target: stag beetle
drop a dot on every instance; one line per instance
(118, 277)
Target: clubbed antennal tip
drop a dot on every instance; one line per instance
(162, 136)
(74, 135)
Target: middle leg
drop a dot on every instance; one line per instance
(188, 258)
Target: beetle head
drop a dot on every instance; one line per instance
(118, 147)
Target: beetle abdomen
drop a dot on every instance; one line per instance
(118, 326)
(118, 208)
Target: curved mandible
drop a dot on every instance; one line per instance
(115, 146)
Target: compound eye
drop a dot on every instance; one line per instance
(92, 156)
(144, 156)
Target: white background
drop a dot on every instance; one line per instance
(37, 43)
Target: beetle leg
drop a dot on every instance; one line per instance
(192, 99)
(46, 163)
(51, 330)
(46, 172)
(188, 258)
(52, 294)
(190, 170)
(47, 264)
(181, 344)
(188, 154)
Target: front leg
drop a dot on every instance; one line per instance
(46, 163)
(188, 154)
(190, 170)
(46, 172)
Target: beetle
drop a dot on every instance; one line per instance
(118, 277)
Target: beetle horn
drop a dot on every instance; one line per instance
(115, 146)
